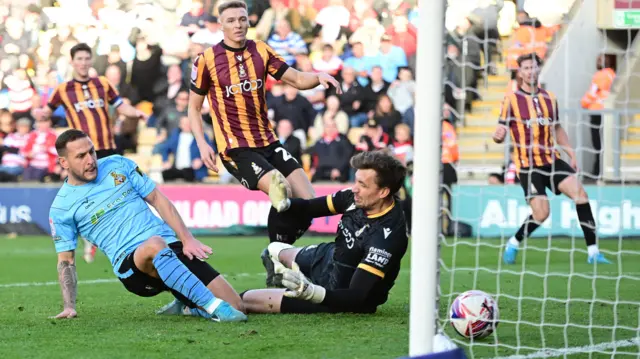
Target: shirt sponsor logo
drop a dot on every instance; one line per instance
(88, 104)
(244, 86)
(378, 257)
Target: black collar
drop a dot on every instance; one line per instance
(234, 49)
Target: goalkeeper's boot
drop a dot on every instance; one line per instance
(273, 279)
(510, 254)
(174, 308)
(227, 313)
(598, 258)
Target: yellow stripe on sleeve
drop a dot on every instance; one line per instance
(332, 209)
(371, 270)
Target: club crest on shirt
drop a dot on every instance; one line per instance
(118, 179)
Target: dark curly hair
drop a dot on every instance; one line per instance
(390, 171)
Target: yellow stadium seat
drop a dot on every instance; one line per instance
(147, 137)
(354, 134)
(60, 130)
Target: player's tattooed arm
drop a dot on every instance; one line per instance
(68, 278)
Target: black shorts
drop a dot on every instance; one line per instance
(249, 165)
(105, 153)
(536, 180)
(316, 262)
(144, 285)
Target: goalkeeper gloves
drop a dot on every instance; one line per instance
(299, 286)
(278, 192)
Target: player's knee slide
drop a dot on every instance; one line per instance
(276, 247)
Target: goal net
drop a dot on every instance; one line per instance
(552, 303)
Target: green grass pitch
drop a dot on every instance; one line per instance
(114, 323)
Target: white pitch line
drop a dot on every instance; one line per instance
(554, 353)
(44, 284)
(99, 281)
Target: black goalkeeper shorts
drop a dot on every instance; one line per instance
(316, 263)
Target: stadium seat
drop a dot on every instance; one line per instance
(60, 130)
(354, 134)
(147, 137)
(145, 150)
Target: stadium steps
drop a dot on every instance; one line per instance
(479, 155)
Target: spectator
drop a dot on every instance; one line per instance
(167, 90)
(21, 94)
(484, 21)
(103, 62)
(187, 164)
(594, 99)
(352, 98)
(169, 120)
(13, 145)
(386, 115)
(194, 20)
(210, 35)
(369, 35)
(461, 78)
(46, 91)
(362, 9)
(331, 155)
(7, 123)
(315, 95)
(146, 68)
(332, 110)
(40, 151)
(403, 145)
(306, 24)
(374, 138)
(328, 62)
(408, 118)
(297, 109)
(449, 159)
(62, 42)
(290, 142)
(390, 58)
(333, 20)
(14, 41)
(360, 63)
(377, 86)
(468, 45)
(270, 17)
(125, 90)
(402, 91)
(287, 43)
(403, 34)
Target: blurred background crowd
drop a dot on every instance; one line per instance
(145, 49)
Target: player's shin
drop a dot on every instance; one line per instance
(177, 276)
(286, 227)
(529, 225)
(588, 225)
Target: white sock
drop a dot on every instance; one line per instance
(211, 307)
(592, 250)
(275, 248)
(514, 242)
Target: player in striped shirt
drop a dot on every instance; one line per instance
(232, 75)
(530, 114)
(86, 101)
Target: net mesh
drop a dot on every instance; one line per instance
(552, 302)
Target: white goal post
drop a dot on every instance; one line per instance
(426, 171)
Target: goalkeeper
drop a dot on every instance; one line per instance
(355, 272)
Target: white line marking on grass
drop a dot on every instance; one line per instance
(44, 284)
(99, 281)
(553, 353)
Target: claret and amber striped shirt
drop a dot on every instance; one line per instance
(87, 108)
(530, 119)
(234, 82)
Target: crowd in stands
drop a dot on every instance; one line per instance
(146, 50)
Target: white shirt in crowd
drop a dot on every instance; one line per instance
(183, 153)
